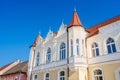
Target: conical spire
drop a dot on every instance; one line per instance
(75, 20)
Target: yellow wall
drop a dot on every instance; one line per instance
(108, 70)
(73, 75)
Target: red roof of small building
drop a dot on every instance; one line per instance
(75, 20)
(94, 29)
(5, 66)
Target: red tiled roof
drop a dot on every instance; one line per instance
(21, 67)
(5, 66)
(94, 29)
(75, 20)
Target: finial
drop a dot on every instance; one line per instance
(75, 8)
(62, 21)
(49, 28)
(39, 32)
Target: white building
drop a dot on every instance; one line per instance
(76, 53)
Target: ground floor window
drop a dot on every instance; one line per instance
(35, 77)
(47, 76)
(98, 74)
(62, 75)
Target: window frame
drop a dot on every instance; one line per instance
(48, 56)
(71, 46)
(59, 76)
(110, 49)
(45, 77)
(62, 51)
(37, 59)
(77, 46)
(93, 75)
(95, 49)
(35, 75)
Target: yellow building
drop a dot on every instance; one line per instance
(76, 53)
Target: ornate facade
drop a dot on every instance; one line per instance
(77, 53)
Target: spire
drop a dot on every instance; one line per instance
(75, 20)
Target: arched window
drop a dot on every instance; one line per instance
(62, 75)
(98, 74)
(111, 48)
(77, 46)
(71, 47)
(62, 51)
(95, 49)
(48, 55)
(37, 59)
(47, 76)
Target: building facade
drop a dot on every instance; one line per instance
(77, 53)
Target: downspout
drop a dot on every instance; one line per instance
(67, 55)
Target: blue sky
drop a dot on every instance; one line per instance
(21, 20)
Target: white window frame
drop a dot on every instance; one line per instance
(111, 45)
(62, 51)
(45, 76)
(62, 76)
(47, 55)
(77, 46)
(34, 77)
(93, 76)
(37, 59)
(71, 46)
(94, 48)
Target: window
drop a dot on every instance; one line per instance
(35, 77)
(71, 47)
(16, 78)
(62, 51)
(62, 75)
(47, 76)
(37, 59)
(48, 55)
(111, 48)
(95, 49)
(77, 46)
(98, 75)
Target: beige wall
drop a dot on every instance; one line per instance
(73, 75)
(108, 69)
